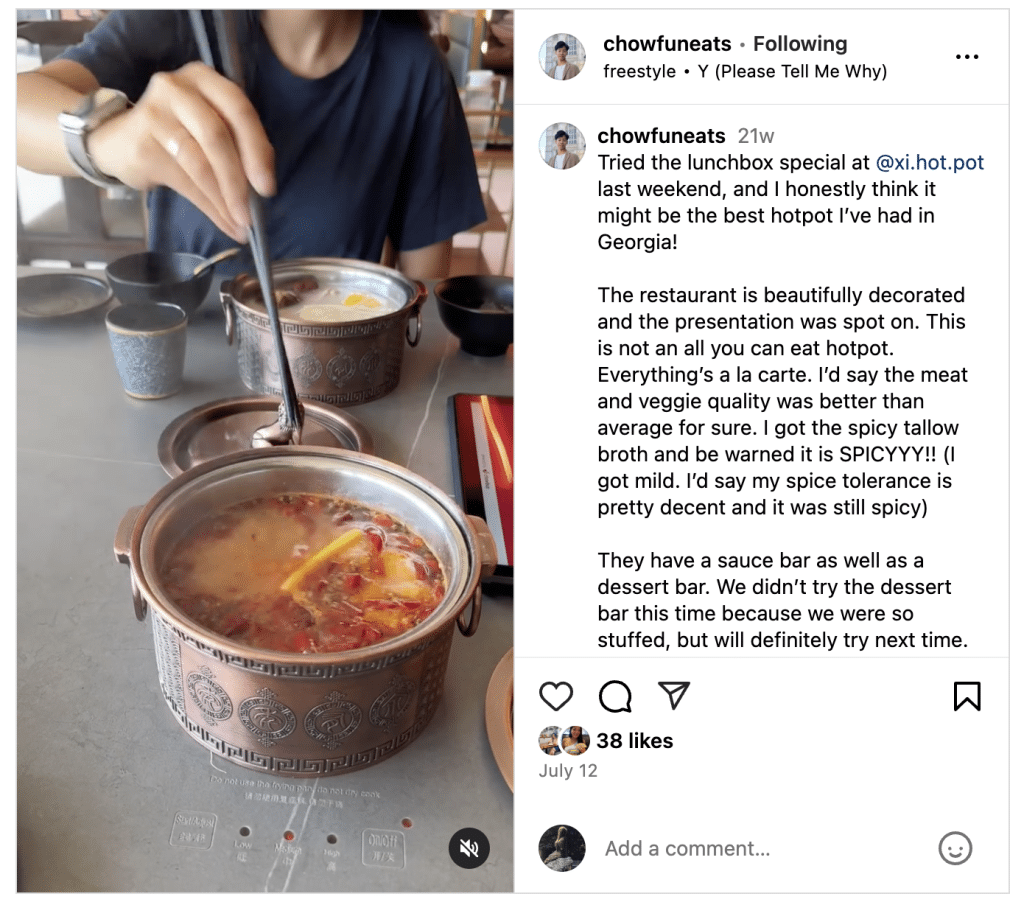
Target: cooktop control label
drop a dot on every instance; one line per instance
(193, 829)
(383, 848)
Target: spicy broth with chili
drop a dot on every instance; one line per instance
(304, 573)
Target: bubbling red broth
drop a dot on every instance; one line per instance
(303, 573)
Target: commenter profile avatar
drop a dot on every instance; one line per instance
(562, 848)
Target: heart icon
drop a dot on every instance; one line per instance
(556, 694)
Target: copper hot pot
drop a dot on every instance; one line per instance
(304, 715)
(340, 363)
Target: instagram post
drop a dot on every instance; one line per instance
(776, 263)
(317, 590)
(285, 284)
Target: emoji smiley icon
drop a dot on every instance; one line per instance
(955, 848)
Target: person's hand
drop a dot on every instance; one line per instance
(196, 132)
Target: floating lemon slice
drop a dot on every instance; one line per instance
(363, 301)
(319, 558)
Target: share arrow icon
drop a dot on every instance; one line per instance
(675, 691)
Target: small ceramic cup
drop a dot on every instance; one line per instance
(149, 348)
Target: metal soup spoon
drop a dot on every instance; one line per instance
(203, 266)
(288, 427)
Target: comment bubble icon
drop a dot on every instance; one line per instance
(616, 697)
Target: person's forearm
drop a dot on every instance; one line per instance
(191, 130)
(429, 263)
(40, 98)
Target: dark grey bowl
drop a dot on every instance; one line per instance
(151, 277)
(478, 310)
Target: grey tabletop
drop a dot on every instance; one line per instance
(105, 775)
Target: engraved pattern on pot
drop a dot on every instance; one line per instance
(369, 363)
(432, 679)
(254, 368)
(333, 721)
(215, 743)
(306, 369)
(259, 761)
(341, 368)
(319, 331)
(211, 699)
(301, 766)
(168, 664)
(315, 331)
(392, 703)
(353, 398)
(266, 717)
(297, 671)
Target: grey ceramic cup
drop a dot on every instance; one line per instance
(149, 348)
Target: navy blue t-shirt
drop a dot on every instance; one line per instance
(377, 148)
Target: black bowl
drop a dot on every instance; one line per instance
(150, 277)
(478, 310)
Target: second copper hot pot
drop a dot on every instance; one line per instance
(342, 363)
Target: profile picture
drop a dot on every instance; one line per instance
(562, 848)
(562, 57)
(549, 740)
(562, 146)
(575, 740)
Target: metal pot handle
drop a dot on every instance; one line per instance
(122, 553)
(475, 609)
(488, 562)
(417, 304)
(226, 303)
(488, 549)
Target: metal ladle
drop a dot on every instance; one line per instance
(288, 428)
(203, 266)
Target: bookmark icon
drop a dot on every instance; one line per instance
(966, 693)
